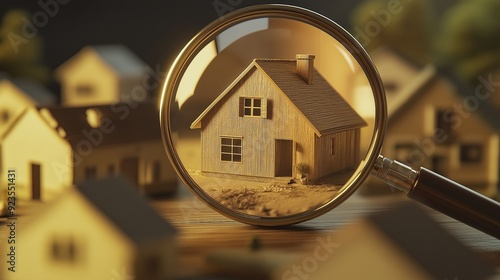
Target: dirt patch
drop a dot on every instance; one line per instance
(273, 198)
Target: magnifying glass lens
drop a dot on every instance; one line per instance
(271, 114)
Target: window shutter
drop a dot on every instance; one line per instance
(241, 106)
(263, 112)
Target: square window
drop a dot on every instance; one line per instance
(252, 107)
(471, 153)
(63, 249)
(230, 149)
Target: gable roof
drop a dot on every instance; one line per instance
(117, 200)
(121, 59)
(319, 103)
(130, 124)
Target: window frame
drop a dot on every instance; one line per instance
(235, 157)
(251, 108)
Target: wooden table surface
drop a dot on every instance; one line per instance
(201, 230)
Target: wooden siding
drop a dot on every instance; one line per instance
(283, 121)
(346, 154)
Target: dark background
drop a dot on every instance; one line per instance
(155, 30)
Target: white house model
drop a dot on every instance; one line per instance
(41, 157)
(99, 230)
(99, 75)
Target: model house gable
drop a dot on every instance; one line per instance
(45, 160)
(313, 98)
(100, 75)
(17, 94)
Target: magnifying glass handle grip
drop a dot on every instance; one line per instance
(456, 201)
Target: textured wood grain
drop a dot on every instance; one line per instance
(202, 230)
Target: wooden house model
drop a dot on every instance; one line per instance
(401, 243)
(395, 70)
(275, 114)
(101, 74)
(447, 126)
(98, 230)
(110, 140)
(41, 157)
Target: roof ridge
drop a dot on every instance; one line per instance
(275, 59)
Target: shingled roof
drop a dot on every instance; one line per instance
(319, 102)
(130, 124)
(117, 200)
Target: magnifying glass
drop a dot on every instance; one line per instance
(274, 115)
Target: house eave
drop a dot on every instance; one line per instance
(340, 129)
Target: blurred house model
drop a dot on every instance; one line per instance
(443, 124)
(42, 158)
(276, 114)
(395, 71)
(118, 139)
(101, 75)
(17, 94)
(391, 245)
(98, 230)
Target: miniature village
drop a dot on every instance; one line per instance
(70, 158)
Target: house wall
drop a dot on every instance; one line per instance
(87, 68)
(258, 135)
(20, 148)
(109, 157)
(346, 154)
(414, 126)
(101, 251)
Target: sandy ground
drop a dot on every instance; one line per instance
(271, 197)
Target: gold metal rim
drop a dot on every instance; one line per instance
(208, 34)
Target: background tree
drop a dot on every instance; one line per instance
(469, 38)
(21, 47)
(406, 26)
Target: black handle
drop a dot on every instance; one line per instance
(457, 201)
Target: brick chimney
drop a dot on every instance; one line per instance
(305, 67)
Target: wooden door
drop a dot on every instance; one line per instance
(283, 158)
(36, 181)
